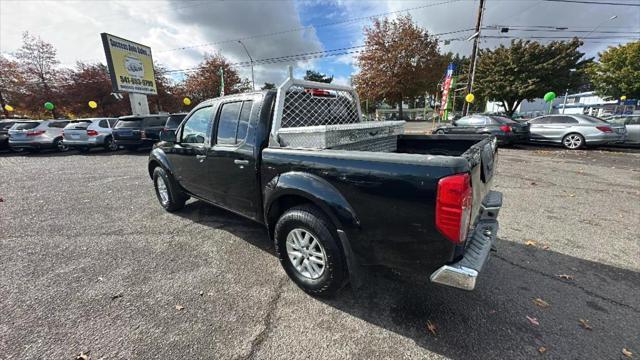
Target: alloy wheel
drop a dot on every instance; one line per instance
(573, 141)
(161, 185)
(306, 253)
(61, 146)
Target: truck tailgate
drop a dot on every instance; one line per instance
(482, 158)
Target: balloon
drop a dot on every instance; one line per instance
(48, 105)
(8, 107)
(469, 98)
(548, 97)
(623, 98)
(186, 101)
(93, 104)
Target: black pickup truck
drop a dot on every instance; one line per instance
(425, 210)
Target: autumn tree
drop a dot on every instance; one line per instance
(169, 97)
(38, 63)
(526, 70)
(400, 61)
(11, 83)
(318, 77)
(204, 83)
(617, 73)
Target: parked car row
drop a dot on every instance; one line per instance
(570, 131)
(131, 132)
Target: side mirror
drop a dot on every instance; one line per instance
(168, 135)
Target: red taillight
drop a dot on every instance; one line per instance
(453, 207)
(92, 133)
(35, 132)
(605, 129)
(505, 128)
(319, 92)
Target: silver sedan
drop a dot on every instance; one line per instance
(575, 131)
(632, 123)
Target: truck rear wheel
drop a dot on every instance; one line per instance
(168, 192)
(309, 252)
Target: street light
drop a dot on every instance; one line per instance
(253, 81)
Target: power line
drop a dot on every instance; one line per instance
(593, 2)
(566, 31)
(307, 27)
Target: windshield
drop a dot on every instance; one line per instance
(503, 120)
(133, 123)
(25, 126)
(78, 125)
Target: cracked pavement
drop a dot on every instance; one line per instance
(91, 263)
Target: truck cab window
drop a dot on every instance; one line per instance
(228, 123)
(195, 129)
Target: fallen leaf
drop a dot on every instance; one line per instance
(533, 183)
(566, 276)
(585, 324)
(627, 353)
(530, 243)
(542, 349)
(83, 356)
(117, 296)
(492, 312)
(179, 307)
(533, 320)
(572, 195)
(541, 303)
(432, 328)
(201, 293)
(1, 200)
(546, 247)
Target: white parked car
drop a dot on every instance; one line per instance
(36, 135)
(85, 134)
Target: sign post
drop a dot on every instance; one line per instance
(131, 69)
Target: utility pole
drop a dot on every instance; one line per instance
(253, 81)
(221, 81)
(474, 51)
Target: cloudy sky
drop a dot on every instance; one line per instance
(180, 33)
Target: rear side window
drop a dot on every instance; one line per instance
(633, 120)
(563, 120)
(228, 123)
(196, 128)
(243, 124)
(25, 126)
(103, 124)
(58, 124)
(133, 123)
(464, 121)
(540, 120)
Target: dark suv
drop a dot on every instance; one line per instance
(174, 121)
(135, 131)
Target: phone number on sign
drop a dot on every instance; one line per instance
(134, 81)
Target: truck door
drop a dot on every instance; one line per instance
(189, 153)
(232, 166)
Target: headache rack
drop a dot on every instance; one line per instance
(314, 115)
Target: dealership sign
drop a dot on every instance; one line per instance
(130, 65)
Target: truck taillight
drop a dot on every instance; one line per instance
(604, 129)
(505, 128)
(92, 133)
(453, 207)
(35, 132)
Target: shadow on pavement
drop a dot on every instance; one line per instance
(490, 322)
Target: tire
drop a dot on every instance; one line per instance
(174, 198)
(439, 132)
(295, 233)
(573, 141)
(60, 146)
(17, 150)
(110, 144)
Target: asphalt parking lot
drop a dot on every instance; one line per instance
(92, 264)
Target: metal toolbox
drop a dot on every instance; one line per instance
(339, 136)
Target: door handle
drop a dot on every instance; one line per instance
(241, 162)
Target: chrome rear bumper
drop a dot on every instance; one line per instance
(464, 273)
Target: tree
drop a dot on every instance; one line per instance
(11, 83)
(168, 97)
(618, 71)
(204, 83)
(527, 70)
(268, 86)
(38, 62)
(318, 77)
(400, 60)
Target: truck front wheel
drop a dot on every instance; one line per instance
(309, 252)
(168, 192)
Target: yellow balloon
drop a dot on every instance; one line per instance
(93, 104)
(469, 98)
(8, 107)
(623, 98)
(186, 101)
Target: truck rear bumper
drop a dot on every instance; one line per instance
(464, 273)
